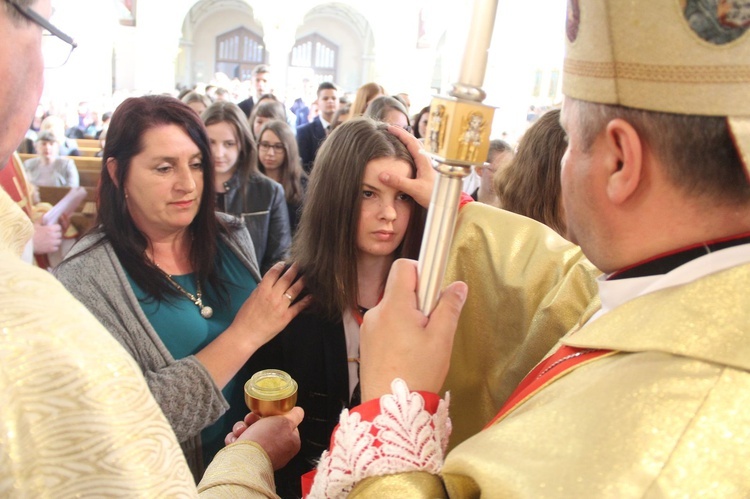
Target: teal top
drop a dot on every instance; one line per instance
(185, 332)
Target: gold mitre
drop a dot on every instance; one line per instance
(674, 56)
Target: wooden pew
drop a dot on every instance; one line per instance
(82, 162)
(89, 178)
(89, 151)
(87, 143)
(87, 162)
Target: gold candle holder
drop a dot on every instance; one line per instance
(270, 392)
(458, 137)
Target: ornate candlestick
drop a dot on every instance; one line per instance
(458, 137)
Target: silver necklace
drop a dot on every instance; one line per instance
(206, 311)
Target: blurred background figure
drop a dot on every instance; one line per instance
(266, 110)
(49, 169)
(301, 111)
(530, 185)
(389, 110)
(341, 115)
(261, 84)
(222, 94)
(312, 135)
(365, 94)
(196, 101)
(498, 157)
(419, 122)
(68, 146)
(404, 99)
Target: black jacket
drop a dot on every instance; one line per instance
(313, 351)
(309, 138)
(247, 106)
(262, 206)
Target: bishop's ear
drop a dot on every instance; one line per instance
(626, 160)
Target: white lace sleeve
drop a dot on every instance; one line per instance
(403, 437)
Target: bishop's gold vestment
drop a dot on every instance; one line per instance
(664, 416)
(527, 288)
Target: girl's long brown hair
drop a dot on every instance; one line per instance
(325, 245)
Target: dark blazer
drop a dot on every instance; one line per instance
(309, 138)
(313, 351)
(247, 106)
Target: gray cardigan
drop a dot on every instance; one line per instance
(183, 388)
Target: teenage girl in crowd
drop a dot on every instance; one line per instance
(265, 110)
(241, 189)
(278, 159)
(352, 229)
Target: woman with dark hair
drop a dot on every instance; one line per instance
(278, 159)
(530, 185)
(352, 228)
(241, 189)
(419, 122)
(176, 284)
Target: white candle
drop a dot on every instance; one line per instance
(474, 63)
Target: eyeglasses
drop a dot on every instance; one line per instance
(56, 45)
(277, 148)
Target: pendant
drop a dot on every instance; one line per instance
(206, 312)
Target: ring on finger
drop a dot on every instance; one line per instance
(289, 297)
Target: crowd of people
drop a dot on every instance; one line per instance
(591, 338)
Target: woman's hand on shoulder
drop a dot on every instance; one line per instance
(271, 306)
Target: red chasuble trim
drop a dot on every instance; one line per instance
(464, 200)
(560, 363)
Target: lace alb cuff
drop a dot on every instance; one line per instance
(403, 431)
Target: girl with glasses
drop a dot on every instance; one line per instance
(278, 159)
